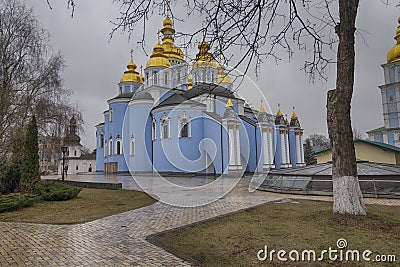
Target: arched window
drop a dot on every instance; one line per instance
(111, 114)
(75, 153)
(154, 129)
(166, 78)
(204, 76)
(184, 126)
(147, 78)
(155, 77)
(132, 147)
(110, 148)
(118, 147)
(185, 130)
(165, 127)
(178, 78)
(212, 77)
(101, 141)
(105, 149)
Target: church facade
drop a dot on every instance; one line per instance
(180, 117)
(390, 91)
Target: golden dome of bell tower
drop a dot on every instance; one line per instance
(171, 51)
(394, 53)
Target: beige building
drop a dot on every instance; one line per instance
(367, 151)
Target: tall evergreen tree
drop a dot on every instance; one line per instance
(30, 162)
(309, 155)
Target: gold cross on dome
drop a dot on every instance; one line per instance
(132, 54)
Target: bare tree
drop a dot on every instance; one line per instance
(30, 81)
(264, 29)
(319, 140)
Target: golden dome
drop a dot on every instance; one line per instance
(294, 115)
(158, 58)
(131, 75)
(170, 49)
(190, 82)
(279, 113)
(229, 103)
(204, 59)
(222, 76)
(394, 54)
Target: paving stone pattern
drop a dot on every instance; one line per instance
(118, 240)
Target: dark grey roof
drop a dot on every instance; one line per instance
(177, 99)
(207, 88)
(364, 169)
(248, 120)
(124, 95)
(215, 116)
(142, 95)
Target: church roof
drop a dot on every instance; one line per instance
(206, 88)
(177, 99)
(124, 95)
(142, 95)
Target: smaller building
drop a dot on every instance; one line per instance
(49, 154)
(367, 151)
(75, 160)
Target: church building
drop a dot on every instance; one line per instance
(176, 116)
(390, 91)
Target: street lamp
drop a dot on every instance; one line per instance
(64, 150)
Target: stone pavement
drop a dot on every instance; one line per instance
(118, 240)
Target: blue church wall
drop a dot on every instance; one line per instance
(216, 132)
(137, 130)
(99, 150)
(390, 139)
(249, 148)
(115, 130)
(292, 147)
(173, 154)
(378, 138)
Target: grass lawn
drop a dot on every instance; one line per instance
(234, 240)
(89, 205)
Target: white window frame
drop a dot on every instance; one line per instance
(111, 115)
(118, 140)
(110, 147)
(187, 120)
(165, 120)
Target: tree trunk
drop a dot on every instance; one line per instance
(347, 196)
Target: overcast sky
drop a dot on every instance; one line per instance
(95, 64)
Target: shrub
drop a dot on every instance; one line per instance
(56, 191)
(16, 201)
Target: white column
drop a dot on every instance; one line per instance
(301, 148)
(298, 155)
(283, 149)
(231, 146)
(238, 160)
(287, 149)
(265, 146)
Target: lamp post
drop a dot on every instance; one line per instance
(64, 150)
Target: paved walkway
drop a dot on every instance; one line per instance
(118, 240)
